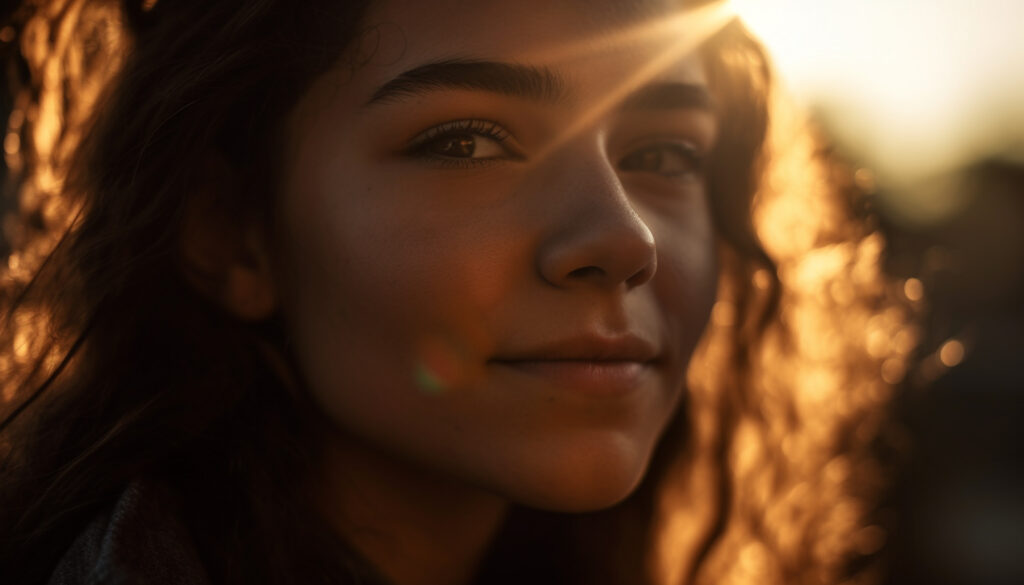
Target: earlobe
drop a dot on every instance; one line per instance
(248, 293)
(223, 256)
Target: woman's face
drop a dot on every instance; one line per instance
(495, 253)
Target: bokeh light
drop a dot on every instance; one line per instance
(928, 98)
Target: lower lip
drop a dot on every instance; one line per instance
(590, 377)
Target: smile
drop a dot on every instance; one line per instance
(588, 377)
(587, 364)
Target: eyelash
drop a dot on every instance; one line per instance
(693, 156)
(473, 127)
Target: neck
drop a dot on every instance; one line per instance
(416, 526)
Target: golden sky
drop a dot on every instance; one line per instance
(913, 86)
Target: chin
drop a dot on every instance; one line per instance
(587, 482)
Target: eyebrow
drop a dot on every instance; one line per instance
(669, 96)
(511, 79)
(529, 82)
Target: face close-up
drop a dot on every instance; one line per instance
(495, 254)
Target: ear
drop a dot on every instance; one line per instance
(226, 255)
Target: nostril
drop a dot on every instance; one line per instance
(644, 274)
(598, 256)
(587, 272)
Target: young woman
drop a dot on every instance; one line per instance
(397, 291)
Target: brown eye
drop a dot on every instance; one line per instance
(463, 141)
(464, 146)
(667, 160)
(453, 146)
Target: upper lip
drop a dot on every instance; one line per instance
(587, 347)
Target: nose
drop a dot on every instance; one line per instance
(596, 237)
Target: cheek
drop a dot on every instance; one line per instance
(687, 278)
(381, 294)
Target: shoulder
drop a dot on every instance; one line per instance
(141, 539)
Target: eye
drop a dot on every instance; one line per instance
(464, 146)
(668, 159)
(463, 141)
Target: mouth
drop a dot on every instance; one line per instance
(588, 364)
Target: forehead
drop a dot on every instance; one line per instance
(588, 12)
(600, 39)
(509, 24)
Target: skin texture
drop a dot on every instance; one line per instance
(490, 321)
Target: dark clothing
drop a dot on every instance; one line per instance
(140, 540)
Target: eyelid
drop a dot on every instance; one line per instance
(476, 126)
(689, 148)
(697, 128)
(689, 143)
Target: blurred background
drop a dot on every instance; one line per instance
(926, 99)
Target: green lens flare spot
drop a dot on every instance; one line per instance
(427, 381)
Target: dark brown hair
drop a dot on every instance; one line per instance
(151, 379)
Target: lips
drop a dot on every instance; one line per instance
(590, 348)
(590, 364)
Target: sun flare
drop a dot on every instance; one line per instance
(678, 35)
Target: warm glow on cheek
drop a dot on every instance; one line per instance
(451, 361)
(410, 290)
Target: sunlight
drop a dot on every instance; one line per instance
(680, 34)
(700, 23)
(912, 86)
